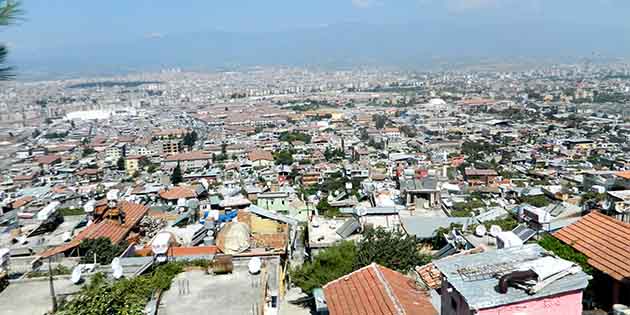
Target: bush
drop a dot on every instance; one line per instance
(506, 224)
(537, 201)
(325, 209)
(395, 250)
(126, 296)
(71, 211)
(328, 265)
(103, 248)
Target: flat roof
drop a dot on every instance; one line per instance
(196, 292)
(32, 297)
(481, 293)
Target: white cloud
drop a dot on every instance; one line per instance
(463, 5)
(466, 5)
(154, 35)
(364, 4)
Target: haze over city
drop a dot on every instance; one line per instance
(329, 157)
(79, 37)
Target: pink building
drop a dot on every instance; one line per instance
(515, 281)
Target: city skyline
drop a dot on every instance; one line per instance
(116, 37)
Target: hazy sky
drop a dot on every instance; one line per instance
(75, 26)
(56, 23)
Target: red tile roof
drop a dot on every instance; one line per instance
(376, 290)
(260, 155)
(624, 174)
(604, 240)
(177, 193)
(106, 228)
(430, 275)
(189, 156)
(26, 177)
(21, 202)
(89, 172)
(182, 251)
(48, 159)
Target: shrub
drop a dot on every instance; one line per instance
(103, 248)
(327, 266)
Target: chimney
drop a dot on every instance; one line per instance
(112, 206)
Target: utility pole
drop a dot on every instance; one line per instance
(52, 288)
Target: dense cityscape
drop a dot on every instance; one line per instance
(266, 186)
(355, 157)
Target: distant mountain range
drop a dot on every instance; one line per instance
(419, 46)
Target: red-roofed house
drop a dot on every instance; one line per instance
(177, 193)
(260, 158)
(47, 161)
(606, 243)
(623, 179)
(376, 290)
(105, 226)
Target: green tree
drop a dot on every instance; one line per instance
(591, 197)
(176, 177)
(284, 157)
(88, 151)
(9, 12)
(103, 248)
(392, 249)
(537, 201)
(330, 264)
(190, 139)
(380, 121)
(324, 208)
(120, 164)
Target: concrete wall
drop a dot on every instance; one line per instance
(565, 304)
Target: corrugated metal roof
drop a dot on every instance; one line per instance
(348, 227)
(272, 215)
(480, 293)
(424, 227)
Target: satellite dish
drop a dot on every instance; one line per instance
(361, 211)
(495, 230)
(254, 265)
(117, 268)
(76, 274)
(480, 230)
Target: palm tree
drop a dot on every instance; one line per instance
(9, 12)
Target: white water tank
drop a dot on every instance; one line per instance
(48, 210)
(89, 206)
